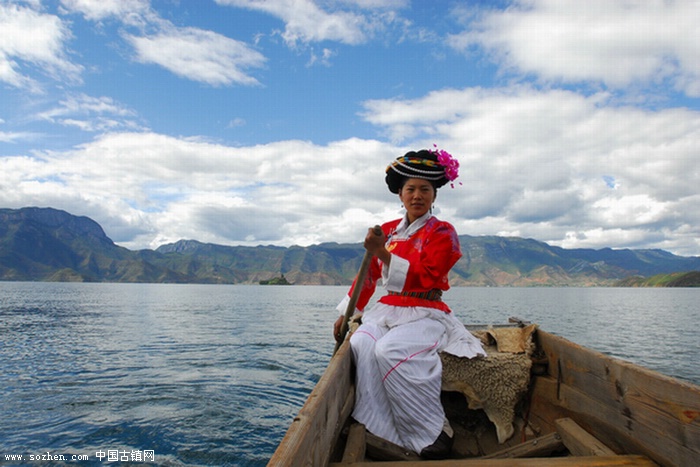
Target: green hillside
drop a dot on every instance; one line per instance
(678, 279)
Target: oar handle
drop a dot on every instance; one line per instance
(359, 281)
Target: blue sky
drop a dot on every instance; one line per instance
(245, 122)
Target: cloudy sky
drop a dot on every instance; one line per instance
(247, 122)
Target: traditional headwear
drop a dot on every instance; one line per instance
(436, 166)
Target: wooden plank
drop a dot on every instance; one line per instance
(617, 380)
(590, 461)
(596, 418)
(382, 450)
(632, 409)
(578, 441)
(538, 447)
(655, 399)
(587, 412)
(355, 445)
(315, 430)
(544, 409)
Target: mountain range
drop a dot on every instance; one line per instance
(45, 244)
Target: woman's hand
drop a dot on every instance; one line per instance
(336, 328)
(376, 244)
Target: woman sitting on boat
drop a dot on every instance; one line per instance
(396, 347)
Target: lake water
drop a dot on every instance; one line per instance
(213, 374)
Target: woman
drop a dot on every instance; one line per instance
(396, 347)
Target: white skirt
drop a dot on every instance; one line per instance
(399, 372)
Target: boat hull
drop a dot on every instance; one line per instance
(598, 405)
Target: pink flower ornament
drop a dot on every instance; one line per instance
(450, 164)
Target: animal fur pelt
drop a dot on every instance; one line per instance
(495, 383)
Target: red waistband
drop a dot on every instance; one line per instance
(398, 299)
(432, 295)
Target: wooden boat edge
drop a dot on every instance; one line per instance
(631, 408)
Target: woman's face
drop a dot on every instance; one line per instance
(417, 196)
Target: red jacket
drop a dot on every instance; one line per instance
(431, 252)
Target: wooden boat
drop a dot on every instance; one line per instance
(582, 408)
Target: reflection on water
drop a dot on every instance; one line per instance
(205, 374)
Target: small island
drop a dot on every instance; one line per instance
(281, 280)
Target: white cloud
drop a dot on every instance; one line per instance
(96, 10)
(236, 122)
(192, 53)
(13, 137)
(533, 162)
(629, 211)
(199, 55)
(126, 11)
(91, 114)
(544, 180)
(306, 22)
(616, 42)
(146, 188)
(29, 39)
(324, 59)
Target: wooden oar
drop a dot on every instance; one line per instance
(356, 292)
